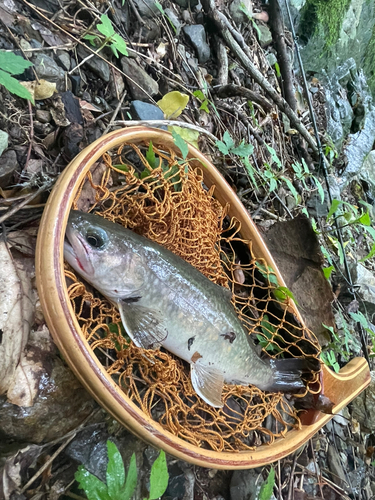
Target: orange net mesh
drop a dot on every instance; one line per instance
(170, 205)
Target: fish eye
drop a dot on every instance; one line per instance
(96, 238)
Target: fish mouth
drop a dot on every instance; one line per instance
(75, 251)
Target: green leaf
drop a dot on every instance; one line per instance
(268, 273)
(94, 488)
(360, 318)
(222, 147)
(181, 144)
(292, 189)
(105, 27)
(306, 212)
(159, 477)
(334, 207)
(199, 94)
(274, 157)
(266, 490)
(365, 219)
(282, 292)
(13, 64)
(250, 171)
(327, 271)
(151, 158)
(243, 150)
(320, 188)
(277, 69)
(159, 6)
(228, 140)
(273, 184)
(370, 254)
(115, 471)
(93, 39)
(131, 479)
(204, 106)
(255, 26)
(119, 44)
(14, 86)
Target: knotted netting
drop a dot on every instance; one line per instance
(158, 195)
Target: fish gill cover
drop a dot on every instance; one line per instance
(156, 194)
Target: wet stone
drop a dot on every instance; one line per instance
(64, 59)
(244, 485)
(8, 166)
(197, 37)
(147, 8)
(144, 111)
(46, 68)
(186, 3)
(61, 405)
(95, 64)
(174, 19)
(265, 36)
(237, 13)
(143, 79)
(43, 116)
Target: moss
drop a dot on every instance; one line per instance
(327, 15)
(369, 63)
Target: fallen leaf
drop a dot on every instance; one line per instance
(24, 386)
(161, 49)
(189, 135)
(173, 104)
(88, 194)
(40, 90)
(89, 106)
(16, 311)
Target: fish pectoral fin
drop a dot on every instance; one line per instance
(208, 383)
(144, 325)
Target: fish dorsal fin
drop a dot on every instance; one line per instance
(144, 325)
(208, 383)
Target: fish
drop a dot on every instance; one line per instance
(166, 302)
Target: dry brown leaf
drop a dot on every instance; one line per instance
(16, 312)
(88, 193)
(89, 106)
(40, 90)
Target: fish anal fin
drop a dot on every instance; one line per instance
(143, 325)
(208, 383)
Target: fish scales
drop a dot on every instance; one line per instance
(164, 301)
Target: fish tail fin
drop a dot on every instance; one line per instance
(287, 373)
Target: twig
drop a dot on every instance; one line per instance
(118, 107)
(27, 200)
(222, 58)
(171, 123)
(243, 117)
(227, 32)
(31, 137)
(232, 90)
(278, 35)
(87, 48)
(90, 56)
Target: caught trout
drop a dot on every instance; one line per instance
(164, 301)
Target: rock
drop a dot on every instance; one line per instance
(367, 172)
(97, 65)
(64, 59)
(43, 116)
(186, 17)
(60, 406)
(352, 39)
(271, 58)
(139, 75)
(185, 4)
(363, 407)
(237, 14)
(197, 37)
(46, 68)
(3, 141)
(245, 485)
(147, 8)
(265, 35)
(174, 19)
(365, 280)
(8, 166)
(144, 111)
(335, 467)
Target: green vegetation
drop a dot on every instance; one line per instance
(111, 39)
(11, 64)
(326, 15)
(119, 485)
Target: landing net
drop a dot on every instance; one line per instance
(156, 194)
